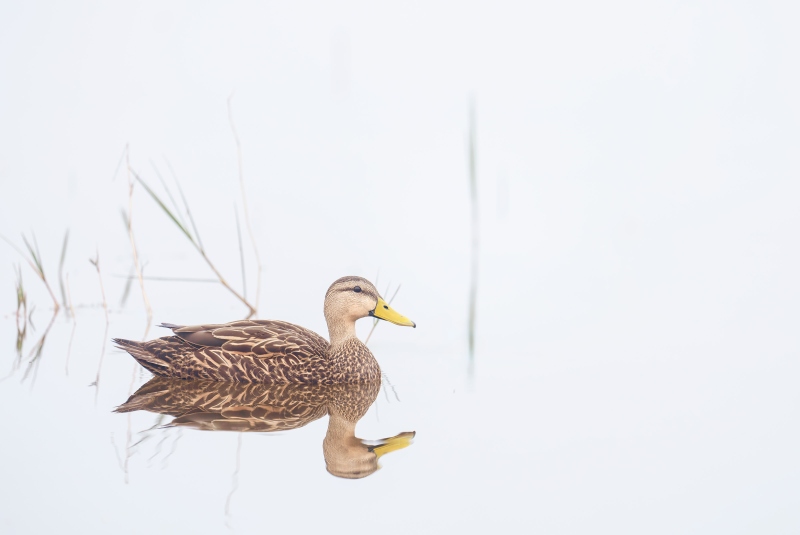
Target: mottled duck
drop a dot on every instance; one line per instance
(271, 351)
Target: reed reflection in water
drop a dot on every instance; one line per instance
(264, 408)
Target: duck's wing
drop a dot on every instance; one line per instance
(260, 338)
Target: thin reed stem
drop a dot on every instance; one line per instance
(244, 203)
(96, 264)
(61, 269)
(375, 324)
(222, 281)
(234, 481)
(147, 307)
(241, 251)
(195, 240)
(74, 325)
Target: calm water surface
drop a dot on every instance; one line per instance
(559, 435)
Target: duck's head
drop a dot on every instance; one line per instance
(351, 298)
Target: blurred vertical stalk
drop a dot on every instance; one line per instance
(234, 482)
(241, 252)
(61, 273)
(246, 212)
(74, 325)
(22, 311)
(375, 321)
(96, 263)
(129, 219)
(473, 190)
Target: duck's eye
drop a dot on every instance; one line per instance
(357, 289)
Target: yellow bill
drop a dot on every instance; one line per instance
(388, 445)
(385, 312)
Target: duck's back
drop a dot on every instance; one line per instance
(264, 351)
(262, 338)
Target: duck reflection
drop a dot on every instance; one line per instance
(218, 406)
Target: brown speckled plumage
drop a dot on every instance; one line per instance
(271, 351)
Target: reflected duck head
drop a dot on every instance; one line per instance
(353, 458)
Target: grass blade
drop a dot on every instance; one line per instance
(34, 259)
(61, 270)
(241, 251)
(185, 204)
(169, 193)
(375, 324)
(166, 209)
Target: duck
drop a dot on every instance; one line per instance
(273, 351)
(266, 408)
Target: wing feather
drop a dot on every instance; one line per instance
(261, 338)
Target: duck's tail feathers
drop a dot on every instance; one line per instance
(153, 362)
(169, 326)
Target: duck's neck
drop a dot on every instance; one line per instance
(345, 455)
(340, 429)
(340, 331)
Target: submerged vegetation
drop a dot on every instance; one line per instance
(32, 256)
(29, 251)
(24, 314)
